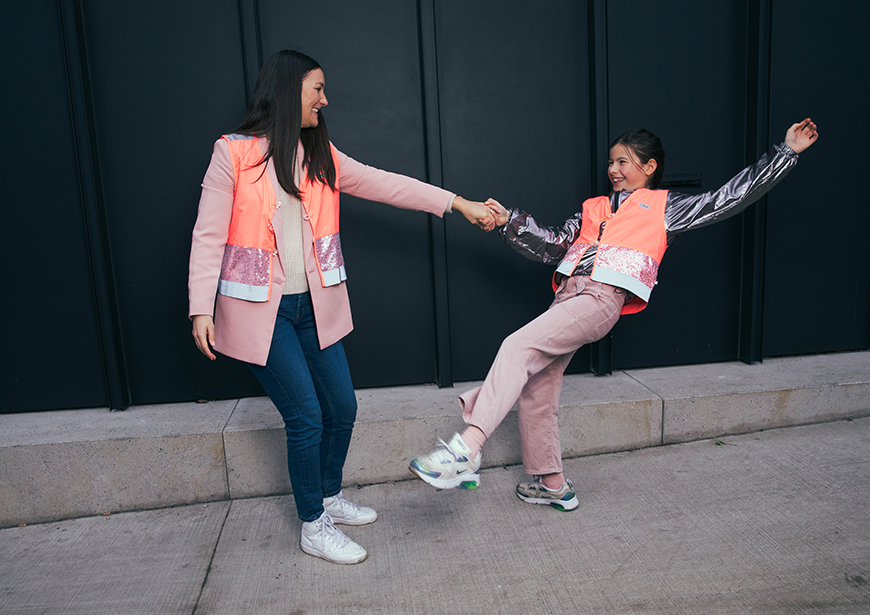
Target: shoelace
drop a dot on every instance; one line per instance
(536, 483)
(342, 503)
(447, 454)
(330, 531)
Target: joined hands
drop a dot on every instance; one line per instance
(486, 215)
(500, 214)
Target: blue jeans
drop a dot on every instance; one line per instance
(314, 394)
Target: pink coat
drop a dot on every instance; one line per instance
(243, 329)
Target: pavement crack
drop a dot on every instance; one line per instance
(217, 542)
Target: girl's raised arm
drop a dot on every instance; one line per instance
(685, 212)
(801, 135)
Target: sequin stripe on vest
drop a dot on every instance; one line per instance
(246, 270)
(631, 245)
(322, 210)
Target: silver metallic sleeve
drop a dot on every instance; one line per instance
(685, 212)
(546, 244)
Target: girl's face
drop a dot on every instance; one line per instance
(313, 97)
(625, 170)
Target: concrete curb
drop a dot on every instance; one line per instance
(64, 464)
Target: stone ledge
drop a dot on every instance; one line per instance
(705, 401)
(64, 464)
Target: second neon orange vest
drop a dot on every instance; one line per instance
(630, 248)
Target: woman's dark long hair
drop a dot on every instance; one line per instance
(646, 146)
(275, 112)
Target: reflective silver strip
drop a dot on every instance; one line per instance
(247, 292)
(621, 280)
(334, 276)
(572, 258)
(566, 267)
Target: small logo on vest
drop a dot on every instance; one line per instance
(644, 205)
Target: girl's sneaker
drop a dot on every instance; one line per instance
(321, 538)
(535, 493)
(348, 513)
(449, 466)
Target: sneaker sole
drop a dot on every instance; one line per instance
(311, 551)
(466, 481)
(562, 505)
(352, 521)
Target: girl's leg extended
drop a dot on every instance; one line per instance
(583, 312)
(312, 391)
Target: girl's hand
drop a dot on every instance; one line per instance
(501, 214)
(801, 135)
(203, 334)
(475, 212)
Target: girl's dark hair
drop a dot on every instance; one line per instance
(645, 146)
(275, 112)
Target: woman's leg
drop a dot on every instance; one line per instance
(312, 391)
(334, 388)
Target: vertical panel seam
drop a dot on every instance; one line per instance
(753, 237)
(252, 56)
(433, 152)
(599, 126)
(94, 213)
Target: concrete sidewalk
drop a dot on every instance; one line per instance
(771, 522)
(77, 463)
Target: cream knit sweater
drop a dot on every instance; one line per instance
(294, 270)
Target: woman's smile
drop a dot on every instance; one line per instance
(313, 97)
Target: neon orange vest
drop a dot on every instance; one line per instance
(631, 246)
(246, 271)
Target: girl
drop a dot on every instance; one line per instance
(266, 243)
(608, 256)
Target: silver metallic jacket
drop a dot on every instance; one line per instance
(683, 212)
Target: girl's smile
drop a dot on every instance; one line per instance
(625, 171)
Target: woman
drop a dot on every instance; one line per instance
(266, 244)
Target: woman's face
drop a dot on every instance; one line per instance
(313, 97)
(625, 170)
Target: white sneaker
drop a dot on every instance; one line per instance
(321, 538)
(450, 466)
(348, 513)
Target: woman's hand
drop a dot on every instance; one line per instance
(801, 135)
(475, 212)
(203, 334)
(501, 214)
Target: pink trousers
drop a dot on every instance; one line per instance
(529, 366)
